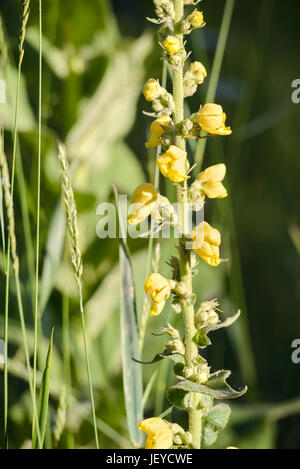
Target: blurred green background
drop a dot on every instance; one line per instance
(97, 55)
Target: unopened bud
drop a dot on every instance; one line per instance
(206, 314)
(175, 346)
(181, 290)
(170, 330)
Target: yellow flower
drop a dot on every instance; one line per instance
(210, 180)
(212, 119)
(206, 242)
(172, 45)
(173, 164)
(152, 89)
(196, 19)
(199, 72)
(159, 288)
(157, 130)
(143, 201)
(159, 432)
(231, 447)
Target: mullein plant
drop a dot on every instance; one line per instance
(196, 419)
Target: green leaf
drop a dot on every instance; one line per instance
(175, 357)
(228, 322)
(182, 399)
(213, 422)
(26, 120)
(42, 409)
(132, 371)
(110, 113)
(216, 387)
(57, 59)
(201, 338)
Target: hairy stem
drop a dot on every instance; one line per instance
(191, 351)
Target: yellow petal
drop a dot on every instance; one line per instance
(156, 127)
(140, 212)
(158, 287)
(172, 45)
(153, 142)
(212, 119)
(176, 153)
(216, 172)
(211, 123)
(215, 190)
(221, 131)
(211, 109)
(209, 250)
(157, 308)
(152, 89)
(213, 262)
(160, 435)
(211, 235)
(144, 193)
(163, 162)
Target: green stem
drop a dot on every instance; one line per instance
(27, 358)
(8, 252)
(88, 365)
(36, 299)
(191, 350)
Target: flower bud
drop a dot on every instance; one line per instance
(206, 243)
(173, 164)
(181, 290)
(143, 203)
(175, 346)
(170, 330)
(206, 314)
(193, 77)
(157, 130)
(152, 89)
(164, 9)
(212, 119)
(172, 45)
(196, 19)
(178, 440)
(202, 373)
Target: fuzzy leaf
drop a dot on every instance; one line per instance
(228, 322)
(201, 338)
(216, 387)
(182, 399)
(213, 422)
(175, 357)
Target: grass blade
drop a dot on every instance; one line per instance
(38, 210)
(132, 371)
(43, 403)
(77, 264)
(149, 389)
